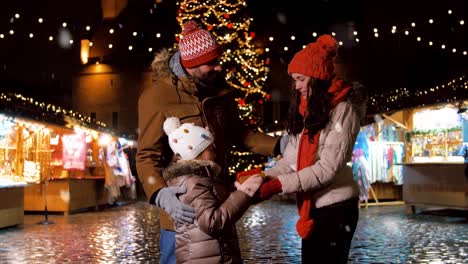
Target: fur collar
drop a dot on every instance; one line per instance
(204, 168)
(160, 65)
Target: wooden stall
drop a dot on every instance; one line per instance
(435, 185)
(11, 206)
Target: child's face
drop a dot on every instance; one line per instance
(208, 153)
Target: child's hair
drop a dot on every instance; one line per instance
(187, 140)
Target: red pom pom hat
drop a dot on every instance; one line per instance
(316, 59)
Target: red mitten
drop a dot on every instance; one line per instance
(269, 188)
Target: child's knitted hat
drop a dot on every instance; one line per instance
(187, 140)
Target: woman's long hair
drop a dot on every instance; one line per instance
(318, 108)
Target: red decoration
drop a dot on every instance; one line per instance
(267, 61)
(251, 121)
(260, 101)
(179, 11)
(246, 84)
(241, 102)
(252, 34)
(226, 16)
(268, 96)
(184, 6)
(209, 27)
(230, 25)
(244, 67)
(177, 39)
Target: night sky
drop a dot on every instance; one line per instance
(44, 69)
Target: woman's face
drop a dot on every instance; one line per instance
(301, 83)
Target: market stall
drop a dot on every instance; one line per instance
(435, 174)
(68, 168)
(87, 169)
(11, 183)
(379, 148)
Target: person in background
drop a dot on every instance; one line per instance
(323, 123)
(212, 237)
(187, 84)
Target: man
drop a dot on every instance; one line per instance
(186, 85)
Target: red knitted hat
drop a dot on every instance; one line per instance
(197, 46)
(316, 59)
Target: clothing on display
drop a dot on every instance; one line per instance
(382, 157)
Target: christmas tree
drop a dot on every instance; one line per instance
(246, 70)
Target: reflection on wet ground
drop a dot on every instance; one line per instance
(130, 233)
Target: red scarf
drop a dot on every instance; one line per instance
(306, 157)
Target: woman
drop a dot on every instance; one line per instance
(323, 124)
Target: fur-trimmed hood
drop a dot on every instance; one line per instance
(203, 168)
(160, 65)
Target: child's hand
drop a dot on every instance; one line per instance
(251, 185)
(244, 175)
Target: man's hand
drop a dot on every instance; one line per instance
(168, 200)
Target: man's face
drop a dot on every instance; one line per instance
(205, 72)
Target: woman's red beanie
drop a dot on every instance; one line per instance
(316, 59)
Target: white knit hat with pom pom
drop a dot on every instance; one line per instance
(187, 140)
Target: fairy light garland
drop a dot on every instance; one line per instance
(409, 32)
(41, 109)
(456, 89)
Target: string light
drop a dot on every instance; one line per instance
(394, 100)
(40, 20)
(88, 28)
(49, 111)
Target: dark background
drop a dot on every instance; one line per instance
(43, 69)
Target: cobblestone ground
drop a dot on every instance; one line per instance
(129, 234)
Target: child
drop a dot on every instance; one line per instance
(212, 238)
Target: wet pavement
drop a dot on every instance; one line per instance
(129, 234)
